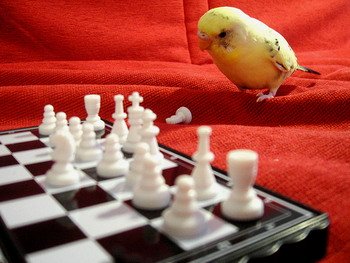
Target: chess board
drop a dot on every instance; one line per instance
(95, 221)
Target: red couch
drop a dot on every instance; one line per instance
(58, 51)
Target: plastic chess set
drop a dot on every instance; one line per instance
(94, 191)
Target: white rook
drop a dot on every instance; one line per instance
(92, 106)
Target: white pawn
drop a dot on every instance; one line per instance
(203, 176)
(113, 163)
(182, 114)
(119, 127)
(61, 124)
(136, 167)
(76, 129)
(49, 121)
(135, 120)
(243, 204)
(62, 172)
(92, 106)
(89, 149)
(149, 134)
(184, 218)
(151, 192)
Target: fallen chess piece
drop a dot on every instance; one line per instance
(243, 203)
(182, 115)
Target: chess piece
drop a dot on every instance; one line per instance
(184, 218)
(76, 129)
(203, 176)
(113, 163)
(182, 115)
(49, 121)
(149, 134)
(136, 167)
(62, 172)
(135, 121)
(151, 192)
(61, 124)
(119, 127)
(92, 106)
(88, 149)
(243, 204)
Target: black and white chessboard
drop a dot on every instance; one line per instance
(95, 221)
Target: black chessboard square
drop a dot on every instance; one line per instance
(83, 197)
(19, 189)
(144, 244)
(46, 234)
(39, 168)
(93, 174)
(150, 214)
(24, 146)
(7, 160)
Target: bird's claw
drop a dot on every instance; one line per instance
(262, 96)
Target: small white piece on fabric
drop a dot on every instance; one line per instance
(243, 203)
(182, 115)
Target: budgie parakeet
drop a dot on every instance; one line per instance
(247, 52)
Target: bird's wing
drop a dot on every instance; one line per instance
(276, 47)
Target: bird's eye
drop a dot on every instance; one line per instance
(222, 34)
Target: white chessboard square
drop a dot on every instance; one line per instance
(107, 219)
(222, 194)
(85, 181)
(4, 151)
(45, 140)
(117, 188)
(85, 250)
(167, 164)
(14, 174)
(33, 156)
(85, 165)
(17, 137)
(216, 229)
(30, 210)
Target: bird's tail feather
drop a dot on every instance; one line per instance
(309, 70)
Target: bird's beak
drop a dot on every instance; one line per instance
(204, 41)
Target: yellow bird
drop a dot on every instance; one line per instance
(248, 52)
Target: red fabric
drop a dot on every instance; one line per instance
(58, 51)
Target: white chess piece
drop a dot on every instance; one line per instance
(184, 218)
(149, 134)
(61, 124)
(136, 167)
(135, 121)
(92, 106)
(89, 149)
(76, 129)
(49, 121)
(243, 204)
(203, 176)
(119, 126)
(151, 192)
(113, 163)
(62, 172)
(182, 115)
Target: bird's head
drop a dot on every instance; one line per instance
(221, 27)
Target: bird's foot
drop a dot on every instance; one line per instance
(262, 96)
